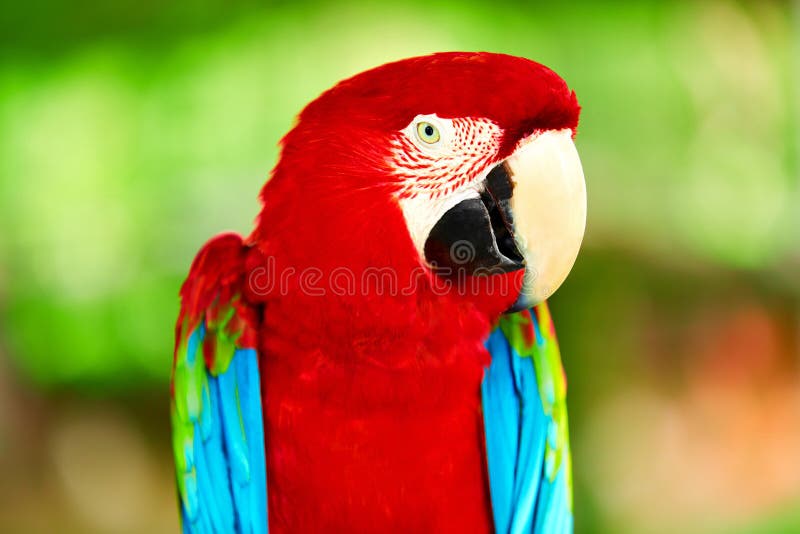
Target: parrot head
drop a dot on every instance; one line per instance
(446, 164)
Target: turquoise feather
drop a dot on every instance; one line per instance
(524, 412)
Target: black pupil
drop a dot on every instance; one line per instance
(429, 130)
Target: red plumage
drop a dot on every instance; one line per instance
(371, 399)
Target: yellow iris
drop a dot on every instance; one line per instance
(427, 132)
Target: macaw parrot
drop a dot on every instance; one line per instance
(378, 354)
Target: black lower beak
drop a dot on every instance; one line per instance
(476, 236)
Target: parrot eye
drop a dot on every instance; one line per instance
(427, 132)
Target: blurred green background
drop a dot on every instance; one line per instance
(132, 131)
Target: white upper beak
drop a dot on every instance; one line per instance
(549, 207)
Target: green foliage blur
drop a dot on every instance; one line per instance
(131, 132)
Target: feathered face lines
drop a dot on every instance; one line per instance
(458, 153)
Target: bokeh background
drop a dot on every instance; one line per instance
(134, 130)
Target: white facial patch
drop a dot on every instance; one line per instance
(438, 175)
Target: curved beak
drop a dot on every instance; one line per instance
(530, 213)
(549, 207)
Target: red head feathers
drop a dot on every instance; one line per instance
(334, 199)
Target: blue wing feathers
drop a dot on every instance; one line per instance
(531, 445)
(553, 513)
(226, 485)
(218, 434)
(246, 362)
(501, 413)
(525, 497)
(235, 445)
